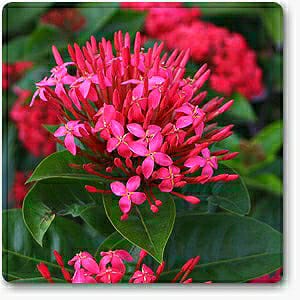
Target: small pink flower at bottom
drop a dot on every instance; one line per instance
(170, 176)
(115, 258)
(82, 276)
(146, 275)
(85, 260)
(128, 193)
(109, 275)
(70, 130)
(207, 162)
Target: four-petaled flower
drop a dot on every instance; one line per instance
(115, 258)
(69, 130)
(85, 260)
(145, 135)
(120, 140)
(152, 154)
(128, 193)
(146, 275)
(194, 116)
(207, 162)
(170, 176)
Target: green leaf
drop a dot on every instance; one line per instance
(16, 16)
(241, 109)
(45, 201)
(273, 21)
(56, 168)
(21, 253)
(143, 228)
(232, 248)
(96, 15)
(32, 76)
(14, 50)
(232, 196)
(126, 20)
(270, 138)
(38, 46)
(267, 182)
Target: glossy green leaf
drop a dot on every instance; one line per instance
(143, 228)
(14, 50)
(232, 196)
(21, 253)
(96, 15)
(241, 110)
(125, 20)
(56, 168)
(38, 46)
(267, 182)
(45, 201)
(273, 20)
(270, 138)
(232, 248)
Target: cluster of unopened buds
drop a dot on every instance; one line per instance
(138, 120)
(112, 269)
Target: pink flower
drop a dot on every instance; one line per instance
(109, 275)
(115, 258)
(194, 116)
(146, 275)
(134, 112)
(85, 260)
(82, 276)
(170, 176)
(207, 162)
(120, 140)
(145, 136)
(152, 155)
(71, 129)
(128, 193)
(41, 90)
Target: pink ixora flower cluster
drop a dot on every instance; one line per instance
(233, 63)
(139, 121)
(112, 269)
(29, 122)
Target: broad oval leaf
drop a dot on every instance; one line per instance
(56, 168)
(231, 196)
(232, 248)
(143, 228)
(46, 200)
(21, 253)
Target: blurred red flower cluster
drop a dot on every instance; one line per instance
(233, 63)
(13, 72)
(29, 122)
(19, 189)
(68, 19)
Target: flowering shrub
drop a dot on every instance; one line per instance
(29, 122)
(130, 128)
(140, 115)
(112, 269)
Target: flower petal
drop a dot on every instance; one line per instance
(162, 159)
(70, 143)
(112, 144)
(118, 188)
(138, 148)
(90, 265)
(147, 167)
(116, 128)
(136, 129)
(156, 142)
(61, 131)
(184, 121)
(138, 198)
(125, 204)
(133, 183)
(195, 161)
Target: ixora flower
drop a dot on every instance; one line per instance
(112, 269)
(142, 124)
